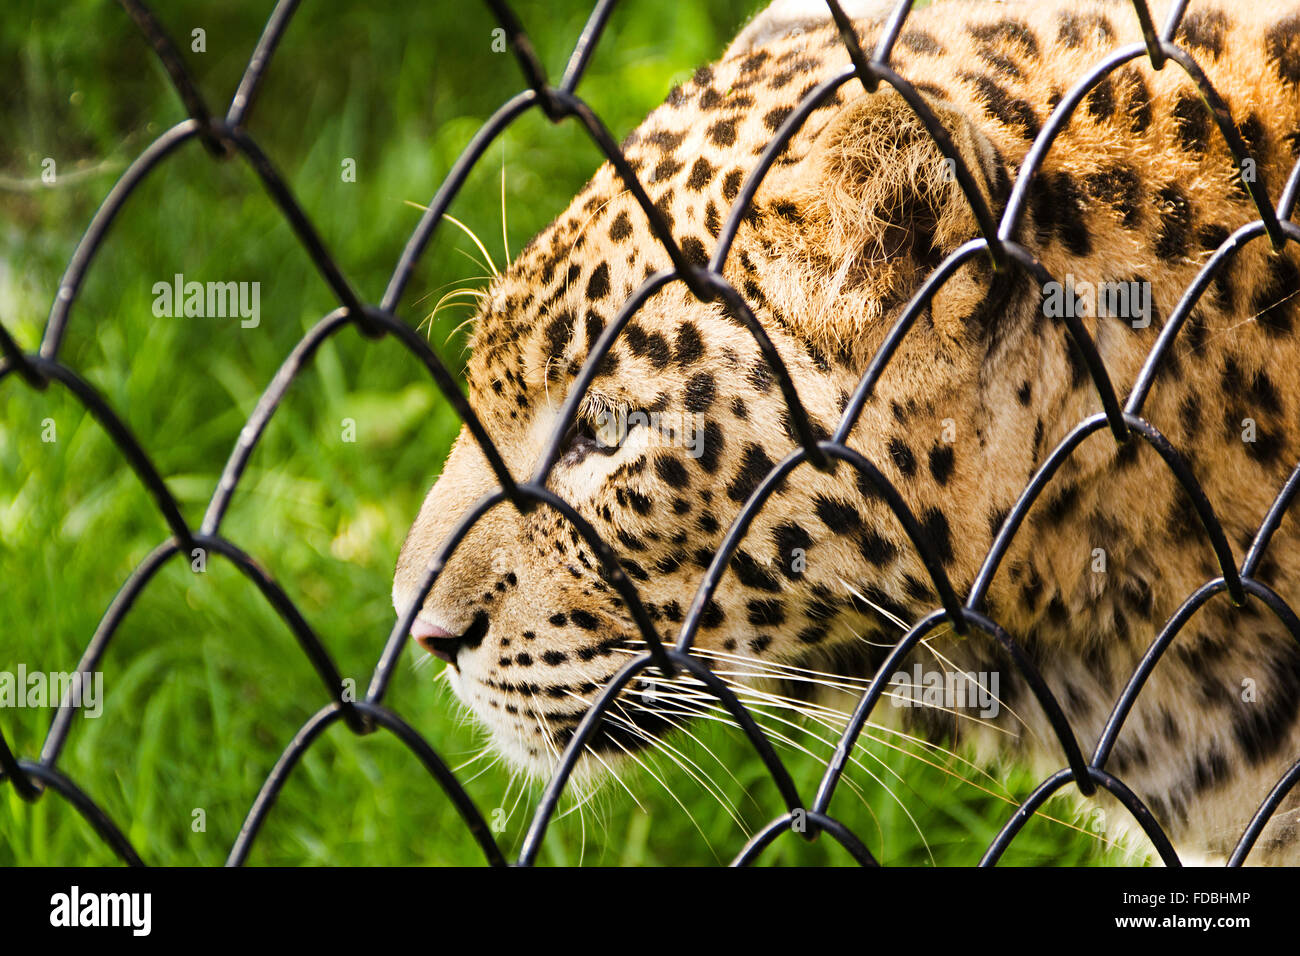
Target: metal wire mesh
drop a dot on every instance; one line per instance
(225, 137)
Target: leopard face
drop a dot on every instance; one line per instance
(684, 417)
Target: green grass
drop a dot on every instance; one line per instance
(204, 683)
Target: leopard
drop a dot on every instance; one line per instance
(685, 413)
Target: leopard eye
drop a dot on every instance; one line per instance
(611, 429)
(580, 441)
(604, 436)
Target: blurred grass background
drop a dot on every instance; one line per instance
(204, 683)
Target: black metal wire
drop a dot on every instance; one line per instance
(228, 137)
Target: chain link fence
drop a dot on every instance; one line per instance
(226, 136)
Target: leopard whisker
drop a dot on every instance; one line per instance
(610, 770)
(677, 755)
(879, 781)
(836, 721)
(705, 781)
(682, 728)
(669, 790)
(505, 235)
(766, 669)
(927, 642)
(893, 695)
(496, 759)
(1005, 797)
(577, 786)
(723, 716)
(456, 282)
(944, 659)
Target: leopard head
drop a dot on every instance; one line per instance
(684, 417)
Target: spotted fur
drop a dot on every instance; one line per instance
(851, 219)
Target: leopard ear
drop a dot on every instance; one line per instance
(870, 211)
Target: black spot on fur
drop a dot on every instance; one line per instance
(584, 619)
(839, 516)
(766, 613)
(1002, 64)
(941, 462)
(1192, 122)
(812, 634)
(621, 227)
(713, 615)
(1189, 414)
(903, 458)
(558, 333)
(694, 251)
(760, 376)
(712, 221)
(774, 118)
(650, 345)
(1267, 447)
(1057, 205)
(790, 538)
(1282, 46)
(1062, 505)
(1121, 187)
(1012, 32)
(700, 392)
(670, 562)
(710, 445)
(593, 324)
(1138, 97)
(702, 174)
(1031, 589)
(996, 520)
(598, 283)
(1101, 100)
(918, 41)
(1273, 302)
(1203, 30)
(731, 184)
(1265, 394)
(689, 347)
(878, 551)
(1212, 235)
(665, 168)
(1263, 727)
(628, 541)
(934, 528)
(1210, 769)
(755, 466)
(1074, 27)
(666, 140)
(1175, 223)
(723, 132)
(752, 574)
(1003, 107)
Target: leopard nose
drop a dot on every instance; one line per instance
(445, 645)
(441, 643)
